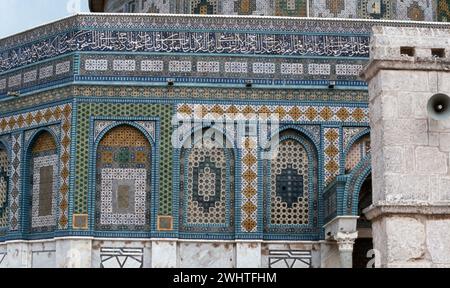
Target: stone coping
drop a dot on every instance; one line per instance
(441, 209)
(405, 63)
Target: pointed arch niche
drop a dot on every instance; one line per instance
(123, 180)
(207, 184)
(290, 184)
(42, 183)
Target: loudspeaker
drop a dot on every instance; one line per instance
(439, 107)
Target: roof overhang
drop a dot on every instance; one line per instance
(97, 5)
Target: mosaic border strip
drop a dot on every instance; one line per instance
(185, 94)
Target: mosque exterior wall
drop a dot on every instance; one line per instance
(100, 157)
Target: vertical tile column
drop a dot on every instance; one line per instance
(16, 166)
(331, 140)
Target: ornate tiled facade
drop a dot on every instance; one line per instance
(416, 10)
(120, 106)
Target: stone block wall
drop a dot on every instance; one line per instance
(410, 150)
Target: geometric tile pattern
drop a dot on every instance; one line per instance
(38, 74)
(56, 129)
(417, 10)
(183, 93)
(347, 69)
(118, 110)
(334, 8)
(14, 200)
(289, 203)
(204, 7)
(61, 113)
(208, 198)
(319, 69)
(156, 6)
(354, 185)
(314, 131)
(197, 65)
(43, 183)
(125, 258)
(444, 10)
(357, 152)
(123, 180)
(349, 133)
(4, 163)
(366, 9)
(149, 127)
(123, 198)
(244, 7)
(101, 125)
(376, 9)
(286, 113)
(249, 176)
(291, 8)
(64, 167)
(207, 187)
(331, 153)
(43, 144)
(291, 206)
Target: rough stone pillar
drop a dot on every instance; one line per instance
(248, 255)
(410, 150)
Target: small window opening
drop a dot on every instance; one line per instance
(407, 51)
(438, 53)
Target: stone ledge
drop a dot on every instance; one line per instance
(426, 209)
(418, 64)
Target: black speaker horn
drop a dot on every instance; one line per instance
(439, 107)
